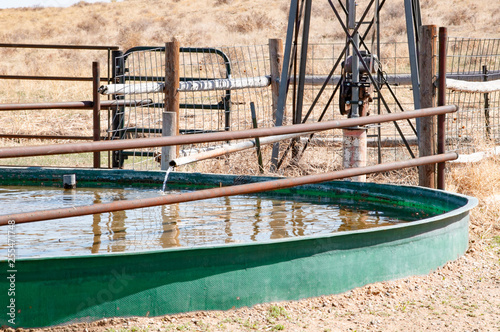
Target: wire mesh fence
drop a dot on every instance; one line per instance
(225, 107)
(220, 109)
(201, 111)
(477, 122)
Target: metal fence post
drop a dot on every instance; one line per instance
(280, 109)
(117, 113)
(172, 77)
(96, 99)
(441, 119)
(257, 140)
(427, 72)
(486, 105)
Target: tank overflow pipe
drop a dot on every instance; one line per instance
(243, 189)
(138, 143)
(230, 148)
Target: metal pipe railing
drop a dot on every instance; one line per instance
(49, 137)
(31, 151)
(87, 105)
(61, 47)
(73, 105)
(50, 78)
(109, 49)
(243, 189)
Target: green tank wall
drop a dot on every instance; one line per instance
(52, 291)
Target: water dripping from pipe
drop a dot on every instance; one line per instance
(170, 169)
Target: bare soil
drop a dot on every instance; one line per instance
(463, 295)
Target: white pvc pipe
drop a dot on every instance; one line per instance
(481, 87)
(226, 84)
(208, 85)
(230, 148)
(128, 89)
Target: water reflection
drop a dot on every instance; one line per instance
(117, 229)
(258, 219)
(210, 222)
(169, 237)
(227, 220)
(96, 228)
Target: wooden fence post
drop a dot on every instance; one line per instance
(276, 57)
(427, 69)
(96, 99)
(172, 78)
(117, 114)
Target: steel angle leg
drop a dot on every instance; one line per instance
(284, 80)
(350, 41)
(412, 49)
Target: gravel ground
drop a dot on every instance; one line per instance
(464, 295)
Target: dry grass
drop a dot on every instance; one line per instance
(218, 21)
(214, 23)
(480, 180)
(194, 23)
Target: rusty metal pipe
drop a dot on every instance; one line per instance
(243, 189)
(41, 150)
(96, 116)
(50, 137)
(58, 46)
(441, 119)
(48, 78)
(73, 105)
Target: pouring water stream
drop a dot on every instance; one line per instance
(170, 169)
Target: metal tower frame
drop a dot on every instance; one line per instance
(299, 19)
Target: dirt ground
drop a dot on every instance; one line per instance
(463, 295)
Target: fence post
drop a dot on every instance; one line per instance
(441, 119)
(172, 77)
(96, 99)
(276, 57)
(257, 140)
(427, 72)
(117, 113)
(486, 105)
(169, 128)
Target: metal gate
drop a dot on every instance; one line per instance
(208, 111)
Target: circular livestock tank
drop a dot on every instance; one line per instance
(85, 287)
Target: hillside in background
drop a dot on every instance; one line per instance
(461, 296)
(222, 22)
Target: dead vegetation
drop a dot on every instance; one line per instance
(224, 22)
